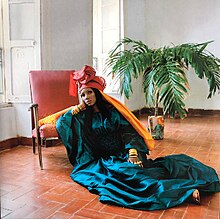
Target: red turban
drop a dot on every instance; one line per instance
(85, 78)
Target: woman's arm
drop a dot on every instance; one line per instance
(134, 143)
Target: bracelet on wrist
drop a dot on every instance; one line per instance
(77, 106)
(133, 153)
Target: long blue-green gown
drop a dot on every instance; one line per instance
(103, 168)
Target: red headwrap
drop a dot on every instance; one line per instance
(85, 78)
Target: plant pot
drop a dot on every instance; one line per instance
(156, 127)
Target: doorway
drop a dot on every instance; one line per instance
(107, 31)
(20, 46)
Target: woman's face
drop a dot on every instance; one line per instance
(88, 96)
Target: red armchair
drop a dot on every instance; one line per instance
(49, 94)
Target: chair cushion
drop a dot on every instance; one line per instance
(46, 131)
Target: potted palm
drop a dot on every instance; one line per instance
(164, 72)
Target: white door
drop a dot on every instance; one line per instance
(107, 30)
(21, 46)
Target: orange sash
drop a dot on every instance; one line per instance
(137, 125)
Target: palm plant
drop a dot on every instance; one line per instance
(164, 71)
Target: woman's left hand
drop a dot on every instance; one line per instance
(135, 160)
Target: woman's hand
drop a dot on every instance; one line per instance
(135, 161)
(82, 106)
(77, 108)
(133, 157)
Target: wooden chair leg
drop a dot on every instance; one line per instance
(33, 144)
(39, 152)
(35, 111)
(40, 156)
(43, 142)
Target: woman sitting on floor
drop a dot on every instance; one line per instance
(108, 148)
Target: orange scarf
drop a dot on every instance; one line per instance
(137, 125)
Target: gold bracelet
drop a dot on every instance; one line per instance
(133, 153)
(78, 108)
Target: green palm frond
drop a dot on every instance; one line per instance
(149, 87)
(174, 89)
(163, 71)
(128, 63)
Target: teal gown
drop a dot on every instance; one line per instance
(103, 169)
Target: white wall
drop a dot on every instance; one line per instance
(23, 119)
(8, 123)
(186, 21)
(134, 28)
(66, 34)
(159, 23)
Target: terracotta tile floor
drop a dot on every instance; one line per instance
(28, 192)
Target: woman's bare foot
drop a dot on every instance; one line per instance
(196, 197)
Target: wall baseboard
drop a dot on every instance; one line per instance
(203, 112)
(191, 112)
(13, 142)
(9, 143)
